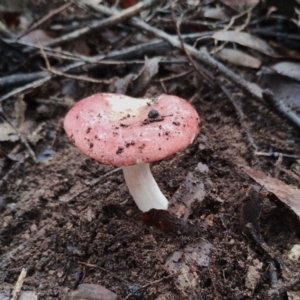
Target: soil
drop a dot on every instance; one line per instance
(66, 230)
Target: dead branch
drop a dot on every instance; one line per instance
(27, 87)
(202, 75)
(17, 288)
(15, 167)
(133, 51)
(240, 115)
(103, 269)
(21, 137)
(59, 73)
(50, 15)
(260, 241)
(114, 19)
(13, 80)
(203, 57)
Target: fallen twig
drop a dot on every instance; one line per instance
(15, 79)
(276, 154)
(59, 73)
(116, 18)
(13, 169)
(65, 198)
(27, 87)
(201, 74)
(130, 52)
(259, 240)
(17, 288)
(103, 269)
(240, 115)
(45, 18)
(21, 137)
(238, 29)
(154, 282)
(203, 57)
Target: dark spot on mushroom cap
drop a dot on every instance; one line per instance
(120, 150)
(141, 147)
(91, 145)
(176, 123)
(124, 125)
(131, 143)
(88, 130)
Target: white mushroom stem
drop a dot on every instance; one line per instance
(143, 187)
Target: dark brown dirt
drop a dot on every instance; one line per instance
(98, 236)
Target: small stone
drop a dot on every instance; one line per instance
(231, 242)
(135, 292)
(91, 292)
(294, 254)
(33, 228)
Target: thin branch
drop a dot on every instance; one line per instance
(114, 19)
(276, 154)
(240, 115)
(50, 15)
(59, 73)
(27, 87)
(17, 288)
(21, 137)
(203, 57)
(155, 282)
(202, 75)
(127, 53)
(103, 269)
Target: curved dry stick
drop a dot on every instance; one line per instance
(203, 57)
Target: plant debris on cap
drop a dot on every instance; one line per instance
(122, 131)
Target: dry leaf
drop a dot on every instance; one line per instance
(168, 222)
(91, 292)
(193, 2)
(240, 3)
(239, 58)
(120, 85)
(93, 2)
(288, 194)
(7, 133)
(290, 69)
(285, 88)
(244, 39)
(293, 295)
(254, 274)
(194, 188)
(142, 81)
(38, 36)
(197, 255)
(215, 13)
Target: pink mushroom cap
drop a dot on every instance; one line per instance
(122, 131)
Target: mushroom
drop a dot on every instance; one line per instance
(123, 131)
